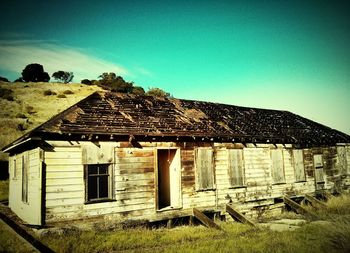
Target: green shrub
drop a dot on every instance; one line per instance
(30, 109)
(68, 92)
(6, 94)
(61, 96)
(49, 93)
(21, 115)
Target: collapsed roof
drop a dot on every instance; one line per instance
(116, 116)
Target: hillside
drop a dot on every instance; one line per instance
(32, 105)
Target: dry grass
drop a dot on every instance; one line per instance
(34, 107)
(330, 236)
(9, 242)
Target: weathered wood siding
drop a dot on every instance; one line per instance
(29, 210)
(135, 186)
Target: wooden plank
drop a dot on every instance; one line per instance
(238, 216)
(299, 209)
(204, 219)
(315, 202)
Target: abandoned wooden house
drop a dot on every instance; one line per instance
(137, 157)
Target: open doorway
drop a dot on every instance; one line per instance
(168, 178)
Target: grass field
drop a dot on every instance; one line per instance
(32, 106)
(330, 235)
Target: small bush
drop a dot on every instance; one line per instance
(86, 81)
(68, 92)
(61, 96)
(6, 94)
(21, 116)
(49, 93)
(30, 109)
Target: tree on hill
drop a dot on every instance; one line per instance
(63, 76)
(34, 72)
(19, 80)
(3, 79)
(115, 83)
(157, 92)
(86, 81)
(138, 90)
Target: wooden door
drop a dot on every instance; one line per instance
(168, 178)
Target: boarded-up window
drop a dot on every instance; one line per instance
(98, 182)
(277, 168)
(235, 167)
(318, 163)
(342, 162)
(204, 169)
(299, 169)
(25, 167)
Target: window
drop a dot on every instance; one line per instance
(98, 182)
(235, 167)
(204, 169)
(25, 166)
(299, 170)
(277, 168)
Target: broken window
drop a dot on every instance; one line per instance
(98, 182)
(235, 167)
(25, 167)
(299, 169)
(277, 166)
(204, 169)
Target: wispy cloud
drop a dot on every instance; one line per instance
(16, 54)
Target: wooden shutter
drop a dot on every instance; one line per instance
(235, 167)
(343, 165)
(299, 169)
(204, 169)
(318, 163)
(277, 168)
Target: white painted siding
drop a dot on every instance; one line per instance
(29, 212)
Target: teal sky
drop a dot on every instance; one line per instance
(288, 55)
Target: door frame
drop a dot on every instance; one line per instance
(177, 160)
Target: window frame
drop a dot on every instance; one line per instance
(14, 168)
(25, 177)
(198, 178)
(110, 187)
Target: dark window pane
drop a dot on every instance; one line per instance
(92, 187)
(103, 186)
(92, 169)
(102, 169)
